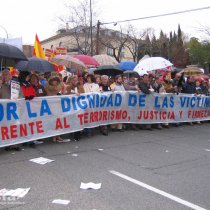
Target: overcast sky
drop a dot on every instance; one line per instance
(25, 18)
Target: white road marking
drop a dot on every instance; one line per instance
(207, 150)
(160, 192)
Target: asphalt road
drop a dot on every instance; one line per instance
(145, 170)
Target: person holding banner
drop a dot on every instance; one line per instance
(5, 93)
(54, 88)
(144, 86)
(90, 86)
(104, 87)
(131, 84)
(73, 87)
(118, 87)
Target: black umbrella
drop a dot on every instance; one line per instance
(9, 51)
(108, 70)
(35, 64)
(130, 73)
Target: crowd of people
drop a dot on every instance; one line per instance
(39, 84)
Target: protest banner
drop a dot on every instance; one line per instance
(15, 89)
(23, 121)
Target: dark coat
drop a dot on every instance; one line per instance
(144, 88)
(189, 88)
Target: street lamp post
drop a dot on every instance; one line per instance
(91, 29)
(4, 31)
(97, 37)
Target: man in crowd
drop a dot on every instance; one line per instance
(144, 86)
(131, 84)
(118, 87)
(5, 93)
(104, 87)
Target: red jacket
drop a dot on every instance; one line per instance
(28, 91)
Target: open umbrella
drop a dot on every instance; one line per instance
(104, 59)
(10, 51)
(35, 64)
(69, 62)
(130, 73)
(152, 64)
(108, 70)
(9, 55)
(87, 60)
(192, 70)
(127, 65)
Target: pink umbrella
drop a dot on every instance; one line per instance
(87, 60)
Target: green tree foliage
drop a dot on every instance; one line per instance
(199, 52)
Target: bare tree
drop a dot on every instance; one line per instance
(79, 22)
(115, 41)
(137, 44)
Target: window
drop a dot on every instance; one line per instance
(109, 51)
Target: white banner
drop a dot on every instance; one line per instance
(15, 89)
(23, 121)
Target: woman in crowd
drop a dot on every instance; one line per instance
(40, 90)
(80, 80)
(118, 87)
(90, 86)
(98, 79)
(54, 88)
(74, 87)
(26, 87)
(28, 92)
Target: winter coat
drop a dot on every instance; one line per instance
(70, 89)
(53, 90)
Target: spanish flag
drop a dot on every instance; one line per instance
(38, 51)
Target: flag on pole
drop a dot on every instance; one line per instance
(38, 51)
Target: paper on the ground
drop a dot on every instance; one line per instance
(41, 160)
(74, 155)
(100, 149)
(60, 201)
(3, 192)
(19, 192)
(90, 185)
(208, 150)
(64, 141)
